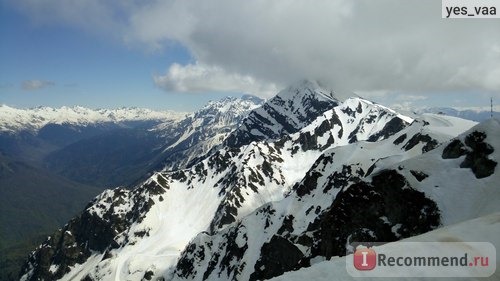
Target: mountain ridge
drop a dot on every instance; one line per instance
(242, 179)
(297, 186)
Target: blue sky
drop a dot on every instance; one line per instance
(87, 69)
(176, 54)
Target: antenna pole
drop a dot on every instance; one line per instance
(491, 107)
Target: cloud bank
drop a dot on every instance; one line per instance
(198, 78)
(361, 45)
(32, 85)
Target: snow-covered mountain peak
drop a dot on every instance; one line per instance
(253, 98)
(200, 131)
(289, 111)
(231, 105)
(33, 119)
(317, 88)
(302, 88)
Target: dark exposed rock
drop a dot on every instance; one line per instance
(335, 120)
(310, 180)
(371, 118)
(323, 128)
(287, 225)
(349, 111)
(73, 244)
(87, 278)
(393, 126)
(352, 136)
(179, 175)
(93, 231)
(276, 257)
(229, 214)
(310, 183)
(185, 265)
(475, 140)
(342, 178)
(420, 176)
(429, 143)
(220, 160)
(161, 180)
(211, 265)
(400, 139)
(481, 166)
(225, 259)
(370, 170)
(477, 159)
(233, 252)
(476, 151)
(454, 150)
(148, 275)
(267, 212)
(356, 213)
(359, 108)
(308, 141)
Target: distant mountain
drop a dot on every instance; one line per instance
(81, 151)
(31, 134)
(199, 132)
(121, 157)
(35, 199)
(284, 188)
(478, 114)
(15, 120)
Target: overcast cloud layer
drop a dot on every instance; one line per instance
(361, 45)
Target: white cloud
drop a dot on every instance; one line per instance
(31, 85)
(362, 45)
(377, 94)
(197, 78)
(410, 98)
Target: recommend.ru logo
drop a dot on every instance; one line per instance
(421, 259)
(365, 259)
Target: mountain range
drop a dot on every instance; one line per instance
(253, 190)
(474, 114)
(56, 160)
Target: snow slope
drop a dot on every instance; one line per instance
(294, 225)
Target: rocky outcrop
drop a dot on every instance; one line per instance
(476, 152)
